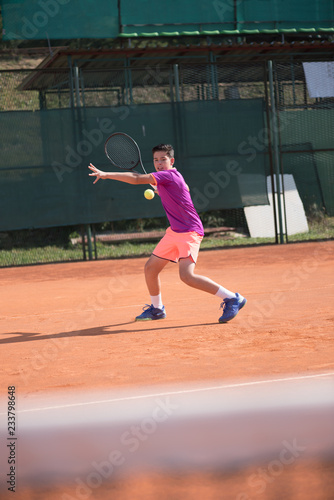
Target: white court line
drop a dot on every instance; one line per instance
(187, 391)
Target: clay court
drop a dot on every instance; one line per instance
(69, 327)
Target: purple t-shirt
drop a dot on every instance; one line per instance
(177, 202)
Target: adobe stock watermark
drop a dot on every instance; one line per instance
(96, 136)
(249, 148)
(130, 442)
(259, 481)
(292, 279)
(223, 7)
(91, 139)
(258, 143)
(157, 74)
(40, 19)
(41, 358)
(302, 272)
(220, 181)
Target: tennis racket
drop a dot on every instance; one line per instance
(123, 152)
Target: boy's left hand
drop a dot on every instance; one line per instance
(155, 189)
(96, 172)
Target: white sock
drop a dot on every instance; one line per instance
(223, 293)
(156, 301)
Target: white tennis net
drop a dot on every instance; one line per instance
(79, 444)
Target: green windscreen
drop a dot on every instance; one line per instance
(180, 16)
(63, 19)
(264, 14)
(59, 19)
(307, 153)
(44, 157)
(176, 15)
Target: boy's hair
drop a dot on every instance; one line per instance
(166, 148)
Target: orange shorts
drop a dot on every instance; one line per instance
(175, 246)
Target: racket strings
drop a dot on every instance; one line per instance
(122, 152)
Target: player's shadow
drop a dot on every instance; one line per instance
(99, 330)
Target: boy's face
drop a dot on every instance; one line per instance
(161, 161)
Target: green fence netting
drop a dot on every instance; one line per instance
(306, 136)
(44, 157)
(63, 19)
(229, 15)
(59, 19)
(219, 116)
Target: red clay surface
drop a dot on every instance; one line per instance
(70, 326)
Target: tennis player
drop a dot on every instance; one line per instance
(182, 240)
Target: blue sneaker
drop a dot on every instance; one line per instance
(151, 312)
(231, 308)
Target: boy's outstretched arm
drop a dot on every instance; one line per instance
(128, 177)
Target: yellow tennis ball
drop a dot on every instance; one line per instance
(149, 194)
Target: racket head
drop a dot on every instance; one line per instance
(123, 151)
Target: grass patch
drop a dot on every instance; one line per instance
(320, 229)
(38, 255)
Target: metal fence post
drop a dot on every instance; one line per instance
(89, 242)
(276, 162)
(177, 82)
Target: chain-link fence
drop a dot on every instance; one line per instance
(261, 116)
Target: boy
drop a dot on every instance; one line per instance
(182, 239)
